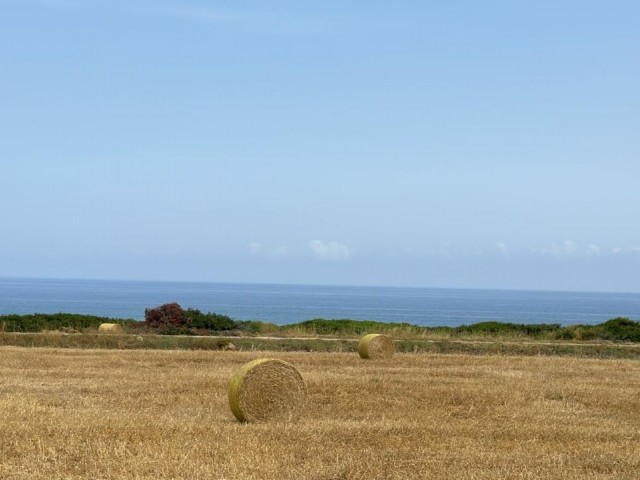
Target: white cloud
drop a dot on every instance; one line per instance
(329, 250)
(625, 250)
(570, 248)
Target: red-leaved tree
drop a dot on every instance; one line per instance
(169, 315)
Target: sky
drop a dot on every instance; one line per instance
(459, 144)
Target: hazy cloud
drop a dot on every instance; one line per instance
(329, 250)
(592, 249)
(259, 249)
(503, 249)
(444, 250)
(564, 249)
(255, 248)
(569, 248)
(625, 250)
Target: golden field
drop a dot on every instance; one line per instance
(114, 414)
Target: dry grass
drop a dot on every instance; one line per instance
(110, 328)
(107, 414)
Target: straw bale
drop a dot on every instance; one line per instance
(109, 328)
(375, 346)
(267, 389)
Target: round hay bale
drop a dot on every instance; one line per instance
(375, 346)
(267, 389)
(109, 328)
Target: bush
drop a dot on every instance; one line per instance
(168, 316)
(493, 328)
(621, 328)
(38, 322)
(252, 326)
(617, 329)
(209, 321)
(172, 319)
(567, 333)
(588, 333)
(321, 326)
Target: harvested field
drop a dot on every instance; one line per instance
(114, 414)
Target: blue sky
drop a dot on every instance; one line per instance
(446, 144)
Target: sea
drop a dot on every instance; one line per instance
(284, 304)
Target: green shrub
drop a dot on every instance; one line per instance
(502, 328)
(321, 326)
(209, 321)
(38, 322)
(196, 322)
(567, 333)
(621, 328)
(252, 326)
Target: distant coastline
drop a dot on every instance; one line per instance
(287, 304)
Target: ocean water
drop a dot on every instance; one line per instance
(282, 304)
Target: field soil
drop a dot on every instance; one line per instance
(155, 414)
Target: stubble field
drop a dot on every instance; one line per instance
(113, 414)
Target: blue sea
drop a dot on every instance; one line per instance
(282, 304)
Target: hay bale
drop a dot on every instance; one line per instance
(267, 389)
(109, 328)
(375, 346)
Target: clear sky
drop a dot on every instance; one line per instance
(490, 144)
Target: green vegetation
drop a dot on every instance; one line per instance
(617, 330)
(499, 328)
(195, 322)
(209, 321)
(66, 322)
(172, 319)
(206, 323)
(320, 326)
